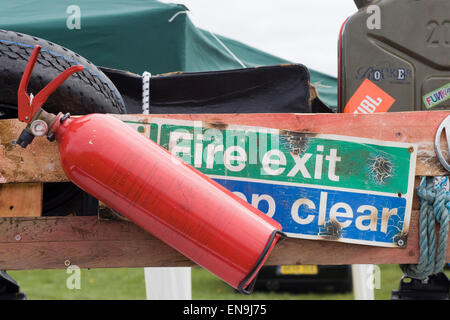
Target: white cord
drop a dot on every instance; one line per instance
(176, 14)
(214, 36)
(146, 92)
(228, 50)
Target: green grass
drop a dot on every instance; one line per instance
(107, 284)
(111, 284)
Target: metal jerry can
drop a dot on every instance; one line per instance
(394, 55)
(141, 180)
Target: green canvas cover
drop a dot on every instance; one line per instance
(140, 35)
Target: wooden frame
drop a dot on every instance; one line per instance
(56, 242)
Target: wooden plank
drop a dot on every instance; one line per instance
(40, 161)
(21, 200)
(55, 242)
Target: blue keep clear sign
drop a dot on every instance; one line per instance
(327, 214)
(323, 187)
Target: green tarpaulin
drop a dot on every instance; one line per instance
(138, 36)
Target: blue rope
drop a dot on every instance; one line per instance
(434, 208)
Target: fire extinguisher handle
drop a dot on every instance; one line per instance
(28, 105)
(23, 99)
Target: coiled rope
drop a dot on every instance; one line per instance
(434, 208)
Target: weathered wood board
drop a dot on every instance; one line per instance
(55, 242)
(30, 243)
(21, 199)
(40, 161)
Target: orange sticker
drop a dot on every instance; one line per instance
(369, 98)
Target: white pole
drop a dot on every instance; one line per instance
(164, 283)
(168, 283)
(363, 281)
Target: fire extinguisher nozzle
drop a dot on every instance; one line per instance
(25, 138)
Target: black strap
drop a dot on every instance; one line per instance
(251, 285)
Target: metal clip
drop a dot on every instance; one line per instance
(437, 142)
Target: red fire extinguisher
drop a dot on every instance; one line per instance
(138, 178)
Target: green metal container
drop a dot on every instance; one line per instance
(403, 48)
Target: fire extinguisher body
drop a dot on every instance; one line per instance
(166, 197)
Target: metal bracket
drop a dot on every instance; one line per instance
(435, 287)
(437, 142)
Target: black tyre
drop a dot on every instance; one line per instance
(84, 92)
